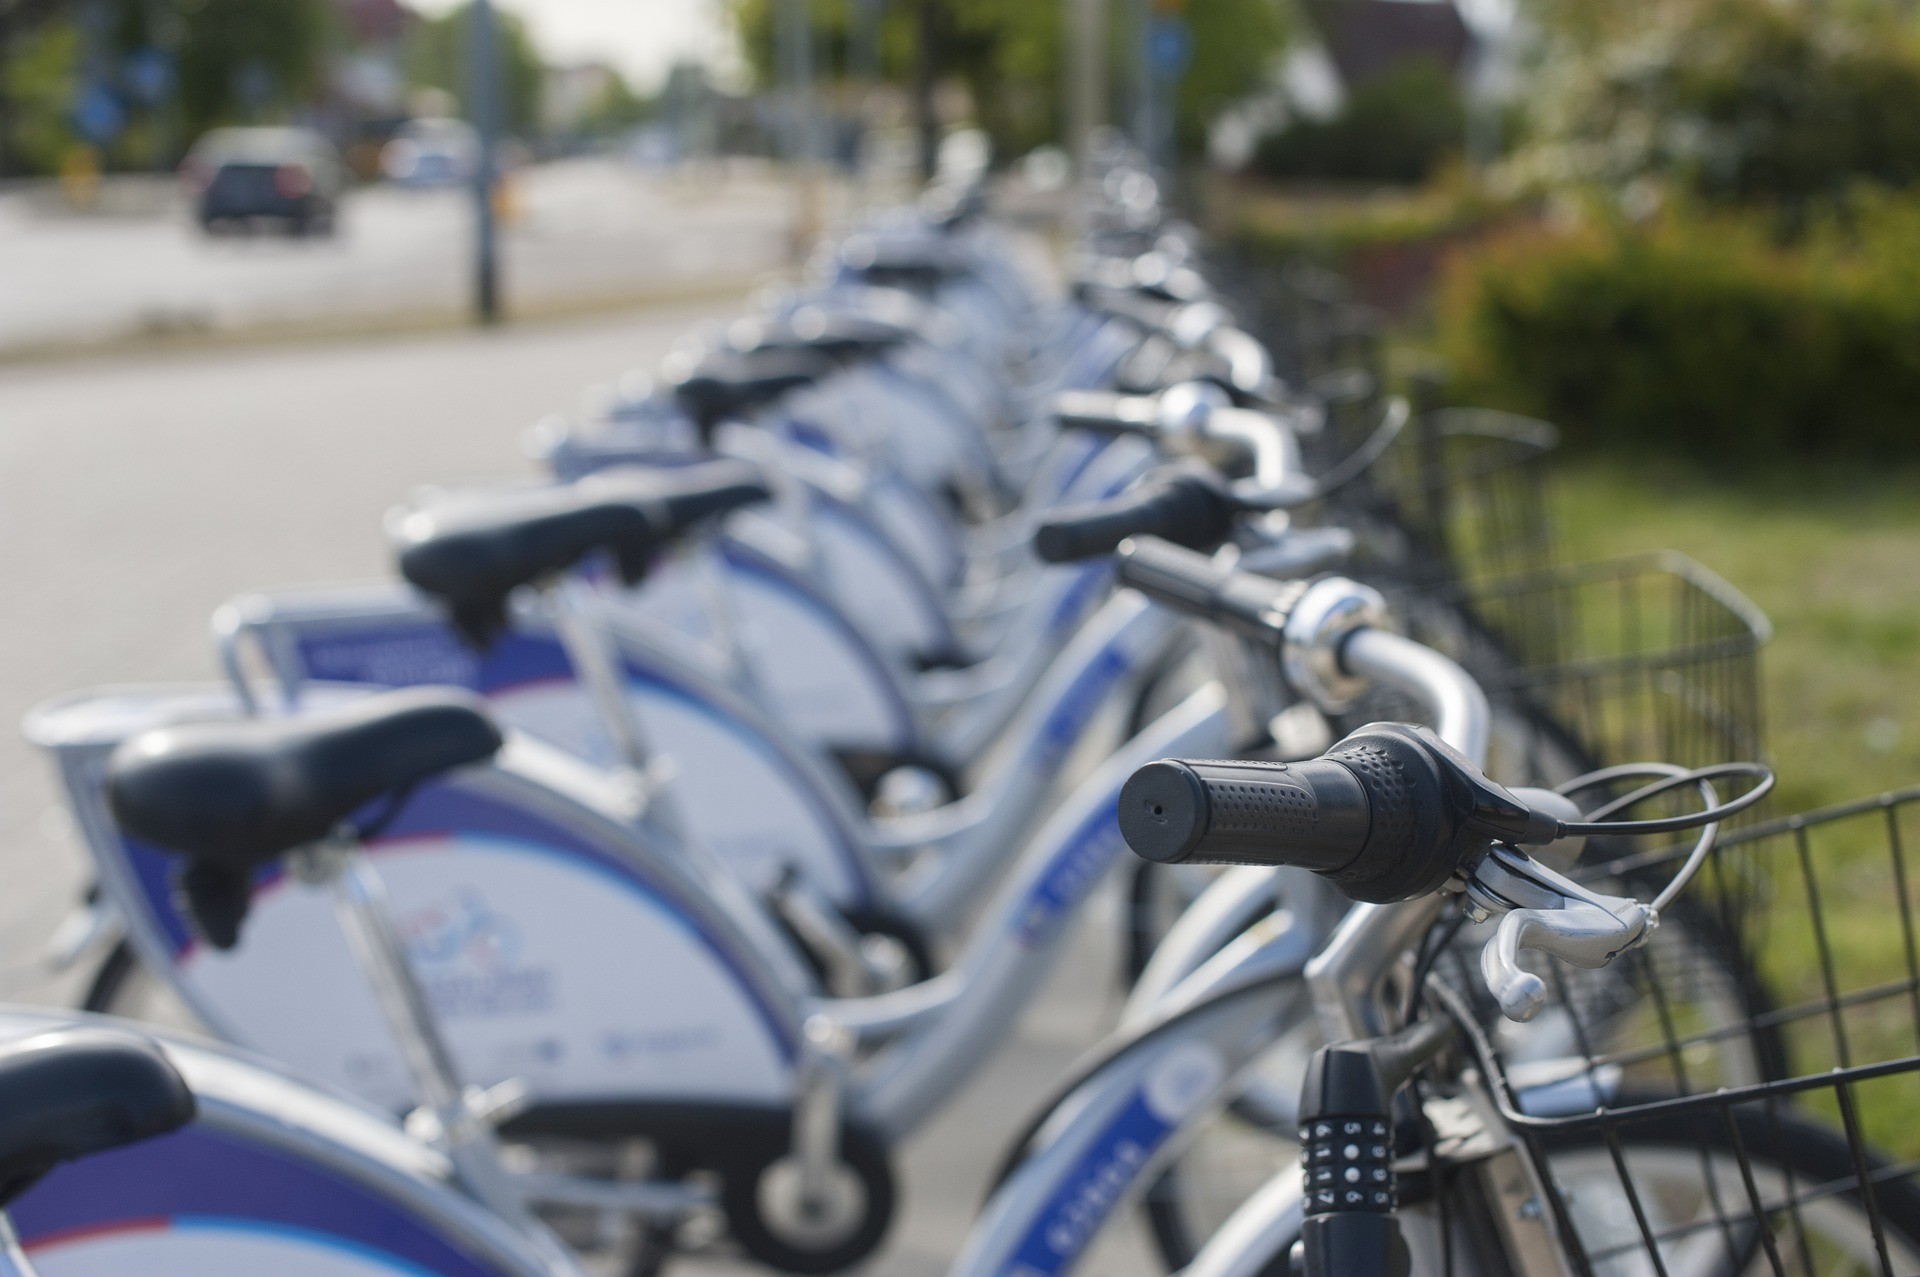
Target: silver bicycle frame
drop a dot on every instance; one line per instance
(1179, 1057)
(945, 1027)
(1348, 981)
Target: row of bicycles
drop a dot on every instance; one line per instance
(673, 836)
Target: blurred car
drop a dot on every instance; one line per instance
(432, 152)
(242, 176)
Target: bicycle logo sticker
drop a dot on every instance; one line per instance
(471, 959)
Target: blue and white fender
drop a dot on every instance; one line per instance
(271, 1177)
(815, 671)
(742, 790)
(1130, 1107)
(555, 943)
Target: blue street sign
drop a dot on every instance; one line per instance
(148, 74)
(1169, 46)
(98, 115)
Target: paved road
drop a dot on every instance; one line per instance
(589, 229)
(136, 495)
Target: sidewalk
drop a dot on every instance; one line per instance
(586, 233)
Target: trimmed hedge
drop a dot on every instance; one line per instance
(1699, 335)
(1398, 127)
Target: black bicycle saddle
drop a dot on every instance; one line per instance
(840, 336)
(74, 1091)
(724, 384)
(231, 796)
(471, 556)
(243, 791)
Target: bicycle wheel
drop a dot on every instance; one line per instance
(1689, 959)
(1748, 1189)
(1743, 1192)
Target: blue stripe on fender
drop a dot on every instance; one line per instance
(1073, 872)
(1085, 1198)
(195, 1175)
(1088, 585)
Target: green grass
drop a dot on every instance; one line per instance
(1832, 555)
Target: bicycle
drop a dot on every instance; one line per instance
(1622, 1159)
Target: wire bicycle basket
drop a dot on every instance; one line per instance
(1770, 1124)
(1461, 495)
(1597, 664)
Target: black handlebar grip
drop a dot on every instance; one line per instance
(1104, 412)
(1373, 815)
(1126, 303)
(1184, 509)
(1313, 815)
(1253, 606)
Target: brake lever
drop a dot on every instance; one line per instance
(1548, 912)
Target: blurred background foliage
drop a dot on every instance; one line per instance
(1698, 330)
(1398, 127)
(437, 56)
(172, 69)
(1739, 102)
(1702, 236)
(233, 58)
(1010, 58)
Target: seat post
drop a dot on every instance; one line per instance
(13, 1260)
(361, 905)
(707, 563)
(459, 1113)
(580, 622)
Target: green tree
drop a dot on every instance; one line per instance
(246, 60)
(1735, 101)
(39, 85)
(439, 56)
(1010, 54)
(23, 67)
(1234, 46)
(618, 108)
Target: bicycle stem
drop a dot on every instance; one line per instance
(1345, 977)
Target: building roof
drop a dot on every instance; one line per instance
(373, 20)
(1367, 38)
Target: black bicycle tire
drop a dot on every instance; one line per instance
(1814, 1153)
(110, 978)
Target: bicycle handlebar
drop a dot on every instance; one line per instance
(1254, 607)
(1186, 507)
(1107, 412)
(1387, 814)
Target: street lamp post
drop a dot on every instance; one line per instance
(1086, 80)
(486, 123)
(793, 33)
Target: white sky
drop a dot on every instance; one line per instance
(641, 37)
